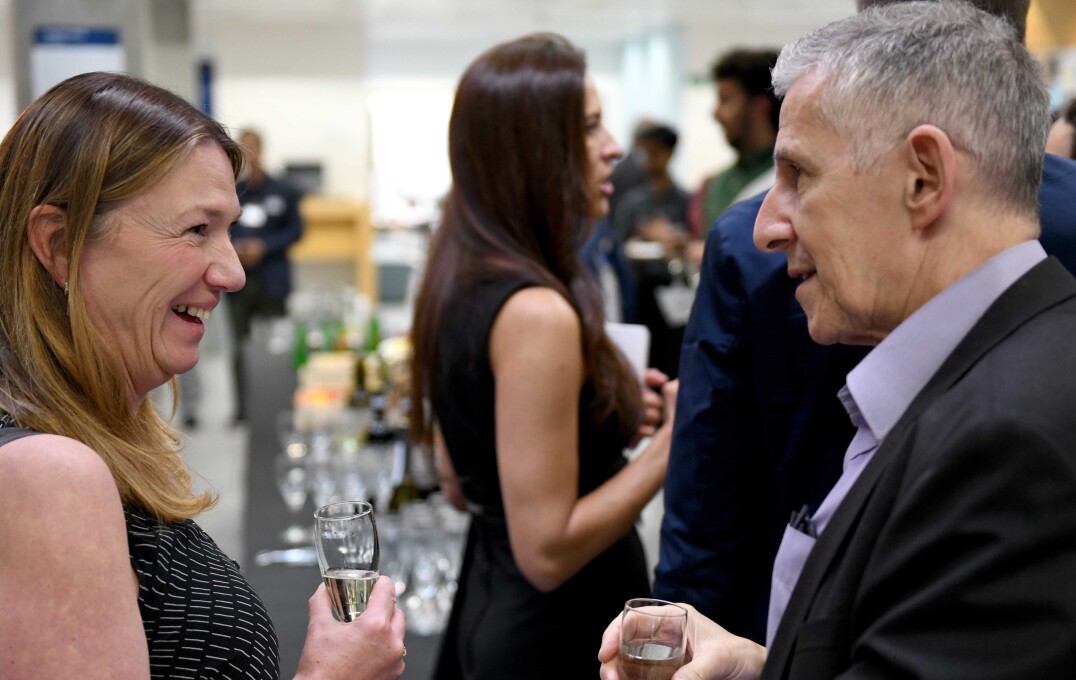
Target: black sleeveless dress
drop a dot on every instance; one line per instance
(501, 626)
(201, 617)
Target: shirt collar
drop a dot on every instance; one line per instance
(883, 385)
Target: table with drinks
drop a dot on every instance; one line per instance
(327, 416)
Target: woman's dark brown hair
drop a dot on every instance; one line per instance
(519, 207)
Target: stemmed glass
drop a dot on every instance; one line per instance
(345, 536)
(651, 639)
(291, 481)
(290, 436)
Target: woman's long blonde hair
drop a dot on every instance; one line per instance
(84, 146)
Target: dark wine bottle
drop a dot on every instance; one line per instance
(404, 489)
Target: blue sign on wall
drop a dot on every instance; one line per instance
(60, 52)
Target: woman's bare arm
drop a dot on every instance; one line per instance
(67, 590)
(536, 355)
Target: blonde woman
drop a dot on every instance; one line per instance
(116, 199)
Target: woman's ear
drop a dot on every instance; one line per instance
(48, 240)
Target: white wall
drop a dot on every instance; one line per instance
(8, 107)
(702, 149)
(305, 85)
(300, 85)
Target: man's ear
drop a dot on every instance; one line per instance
(931, 175)
(48, 240)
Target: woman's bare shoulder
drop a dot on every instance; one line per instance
(537, 332)
(51, 466)
(538, 308)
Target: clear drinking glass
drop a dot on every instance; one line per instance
(345, 536)
(291, 479)
(291, 437)
(651, 639)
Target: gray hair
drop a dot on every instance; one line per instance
(891, 68)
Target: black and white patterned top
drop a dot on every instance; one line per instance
(202, 619)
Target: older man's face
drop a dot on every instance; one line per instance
(840, 229)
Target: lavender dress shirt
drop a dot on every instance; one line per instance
(883, 385)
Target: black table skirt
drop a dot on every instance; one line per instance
(270, 382)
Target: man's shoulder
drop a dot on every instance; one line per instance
(735, 227)
(1056, 198)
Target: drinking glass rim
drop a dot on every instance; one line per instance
(654, 602)
(365, 509)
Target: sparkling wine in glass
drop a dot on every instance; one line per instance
(651, 639)
(349, 590)
(345, 536)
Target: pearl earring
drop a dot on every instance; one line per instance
(65, 288)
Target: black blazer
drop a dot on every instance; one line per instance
(954, 554)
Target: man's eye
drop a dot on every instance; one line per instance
(198, 230)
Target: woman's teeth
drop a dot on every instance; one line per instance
(203, 314)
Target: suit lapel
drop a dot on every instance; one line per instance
(1044, 286)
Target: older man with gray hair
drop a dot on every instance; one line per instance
(909, 159)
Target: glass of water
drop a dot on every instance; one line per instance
(345, 536)
(651, 639)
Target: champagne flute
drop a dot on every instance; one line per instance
(651, 639)
(346, 541)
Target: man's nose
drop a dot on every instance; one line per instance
(773, 228)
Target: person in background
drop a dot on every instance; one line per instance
(759, 431)
(907, 207)
(656, 212)
(629, 171)
(656, 204)
(747, 111)
(603, 255)
(269, 225)
(1062, 138)
(512, 365)
(116, 198)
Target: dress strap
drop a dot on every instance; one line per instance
(9, 431)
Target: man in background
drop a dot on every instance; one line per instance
(748, 113)
(269, 224)
(759, 431)
(629, 171)
(655, 212)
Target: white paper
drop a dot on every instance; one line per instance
(634, 341)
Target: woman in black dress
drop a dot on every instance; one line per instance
(515, 372)
(116, 199)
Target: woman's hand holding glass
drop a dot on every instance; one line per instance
(369, 648)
